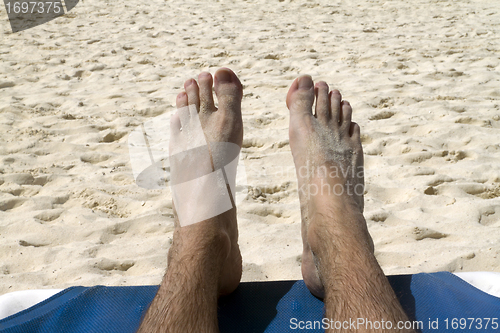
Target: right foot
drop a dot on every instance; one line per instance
(328, 157)
(204, 260)
(216, 236)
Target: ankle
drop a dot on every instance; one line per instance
(339, 242)
(350, 269)
(336, 226)
(210, 245)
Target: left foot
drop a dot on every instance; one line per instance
(216, 237)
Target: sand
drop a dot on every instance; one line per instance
(423, 79)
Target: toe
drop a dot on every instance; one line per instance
(345, 118)
(229, 90)
(206, 96)
(193, 93)
(356, 139)
(182, 104)
(322, 101)
(175, 124)
(335, 104)
(175, 134)
(355, 132)
(182, 100)
(300, 96)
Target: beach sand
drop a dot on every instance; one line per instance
(422, 77)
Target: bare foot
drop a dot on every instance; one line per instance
(219, 125)
(328, 157)
(204, 260)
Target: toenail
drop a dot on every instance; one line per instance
(182, 95)
(203, 75)
(224, 76)
(305, 82)
(188, 83)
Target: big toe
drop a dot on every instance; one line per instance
(229, 90)
(300, 97)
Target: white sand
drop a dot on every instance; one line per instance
(423, 79)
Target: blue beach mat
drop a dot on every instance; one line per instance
(441, 302)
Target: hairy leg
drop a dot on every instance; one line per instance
(339, 264)
(204, 261)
